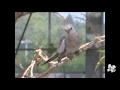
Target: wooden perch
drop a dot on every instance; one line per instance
(66, 59)
(40, 55)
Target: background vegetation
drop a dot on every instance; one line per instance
(37, 32)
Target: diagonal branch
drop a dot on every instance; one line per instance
(66, 21)
(40, 55)
(66, 59)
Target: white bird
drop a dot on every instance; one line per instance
(68, 44)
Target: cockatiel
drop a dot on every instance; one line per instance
(68, 44)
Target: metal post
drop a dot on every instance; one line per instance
(49, 28)
(64, 72)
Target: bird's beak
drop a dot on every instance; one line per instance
(67, 31)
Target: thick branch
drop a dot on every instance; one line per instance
(66, 59)
(40, 55)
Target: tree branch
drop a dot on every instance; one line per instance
(40, 55)
(66, 59)
(66, 21)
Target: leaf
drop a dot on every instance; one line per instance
(102, 51)
(101, 61)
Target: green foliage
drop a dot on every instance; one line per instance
(101, 51)
(37, 32)
(77, 64)
(102, 59)
(51, 49)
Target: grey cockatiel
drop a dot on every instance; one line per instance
(68, 44)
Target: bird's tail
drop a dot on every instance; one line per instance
(54, 56)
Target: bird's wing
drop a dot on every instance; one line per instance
(61, 45)
(60, 49)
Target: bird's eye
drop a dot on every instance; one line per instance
(70, 28)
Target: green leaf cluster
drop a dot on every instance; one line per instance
(102, 59)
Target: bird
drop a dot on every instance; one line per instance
(68, 44)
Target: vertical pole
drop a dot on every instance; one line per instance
(49, 31)
(64, 72)
(49, 28)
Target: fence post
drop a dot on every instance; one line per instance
(49, 28)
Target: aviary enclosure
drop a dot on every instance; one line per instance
(37, 35)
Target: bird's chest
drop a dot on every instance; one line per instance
(71, 45)
(71, 41)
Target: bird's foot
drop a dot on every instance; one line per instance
(70, 56)
(59, 60)
(77, 53)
